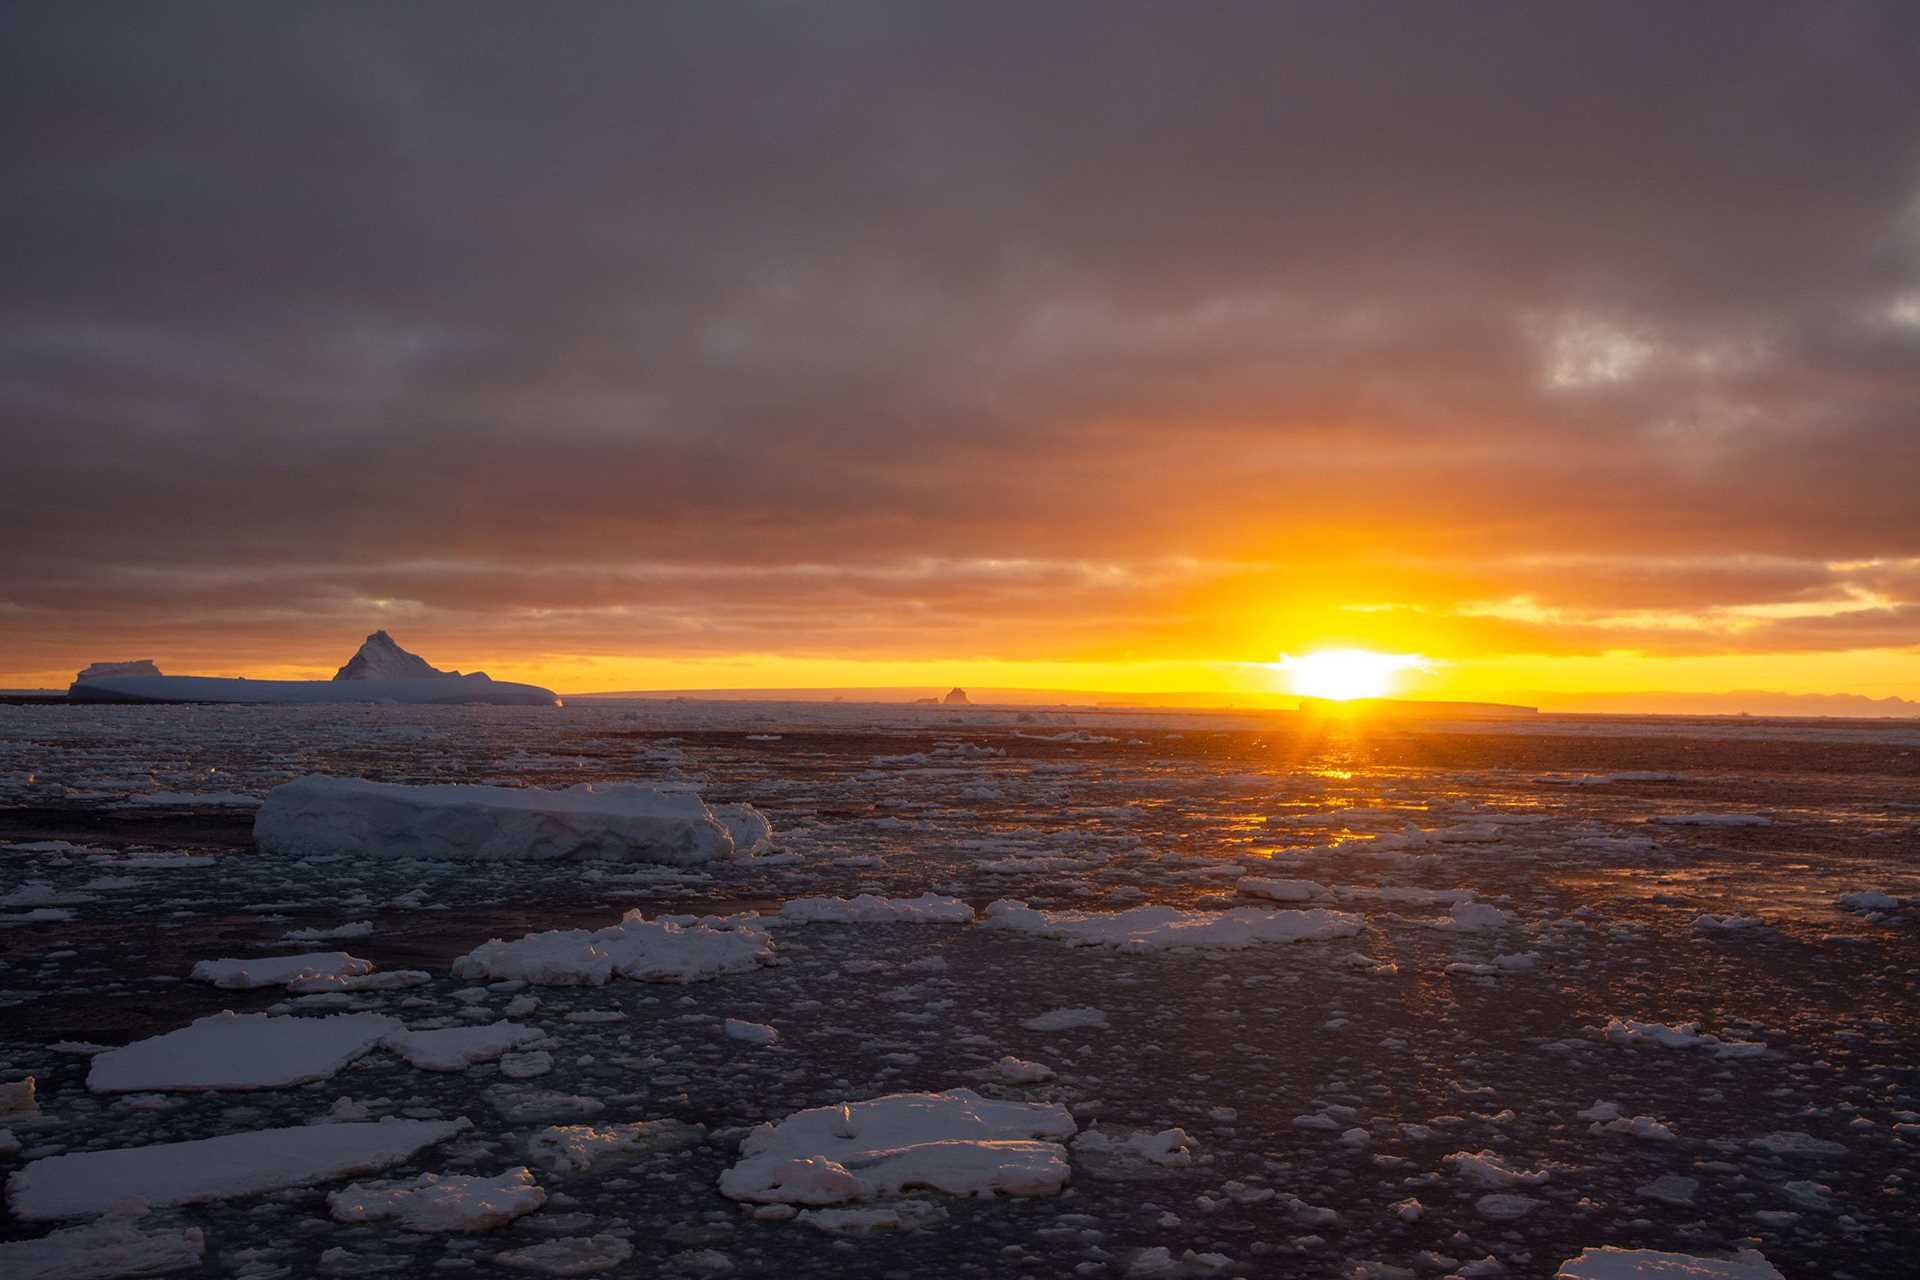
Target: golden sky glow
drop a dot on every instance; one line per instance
(932, 358)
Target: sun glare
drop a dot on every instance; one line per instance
(1342, 674)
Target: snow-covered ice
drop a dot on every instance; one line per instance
(957, 1142)
(234, 1164)
(457, 1048)
(1159, 928)
(320, 816)
(279, 971)
(433, 1202)
(116, 1245)
(637, 948)
(240, 1051)
(1609, 1263)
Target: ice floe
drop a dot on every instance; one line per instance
(637, 948)
(433, 1203)
(575, 1148)
(1610, 1263)
(234, 1164)
(278, 971)
(568, 1256)
(240, 1051)
(117, 1245)
(1160, 928)
(457, 1048)
(1682, 1035)
(957, 1142)
(611, 821)
(928, 908)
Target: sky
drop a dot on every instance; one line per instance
(1100, 346)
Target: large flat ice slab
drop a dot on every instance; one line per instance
(277, 971)
(462, 690)
(240, 1051)
(613, 821)
(638, 948)
(1165, 928)
(957, 1142)
(234, 1164)
(1648, 1264)
(430, 1202)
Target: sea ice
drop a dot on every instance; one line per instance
(1282, 890)
(1867, 900)
(1160, 928)
(575, 1148)
(430, 1202)
(1683, 1035)
(957, 1142)
(568, 1256)
(276, 971)
(1610, 1263)
(1712, 819)
(113, 1247)
(612, 821)
(1066, 1020)
(637, 948)
(457, 1048)
(928, 908)
(234, 1164)
(228, 1050)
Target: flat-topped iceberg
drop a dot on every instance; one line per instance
(381, 671)
(610, 821)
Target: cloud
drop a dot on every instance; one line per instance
(474, 309)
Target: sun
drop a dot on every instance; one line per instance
(1342, 674)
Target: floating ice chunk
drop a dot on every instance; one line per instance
(1475, 917)
(112, 1247)
(751, 830)
(1670, 1188)
(1502, 1206)
(1066, 1019)
(1404, 894)
(928, 908)
(525, 1066)
(39, 915)
(906, 1215)
(957, 1142)
(276, 971)
(647, 951)
(1161, 928)
(1169, 1148)
(1020, 1071)
(1489, 1170)
(234, 1164)
(1282, 890)
(457, 1048)
(1604, 779)
(1734, 923)
(1867, 900)
(751, 1032)
(1635, 1127)
(575, 1148)
(1610, 1263)
(1600, 1111)
(391, 980)
(240, 1051)
(18, 1098)
(1683, 1035)
(568, 1256)
(1712, 819)
(614, 821)
(41, 893)
(353, 929)
(1796, 1144)
(457, 1202)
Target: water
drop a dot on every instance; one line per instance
(1064, 810)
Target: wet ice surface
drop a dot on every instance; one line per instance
(1539, 1069)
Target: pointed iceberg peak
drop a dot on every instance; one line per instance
(380, 658)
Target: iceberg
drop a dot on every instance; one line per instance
(608, 821)
(381, 671)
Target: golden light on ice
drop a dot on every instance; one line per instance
(1341, 674)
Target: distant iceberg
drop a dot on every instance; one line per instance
(381, 671)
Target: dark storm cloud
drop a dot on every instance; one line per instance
(354, 285)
